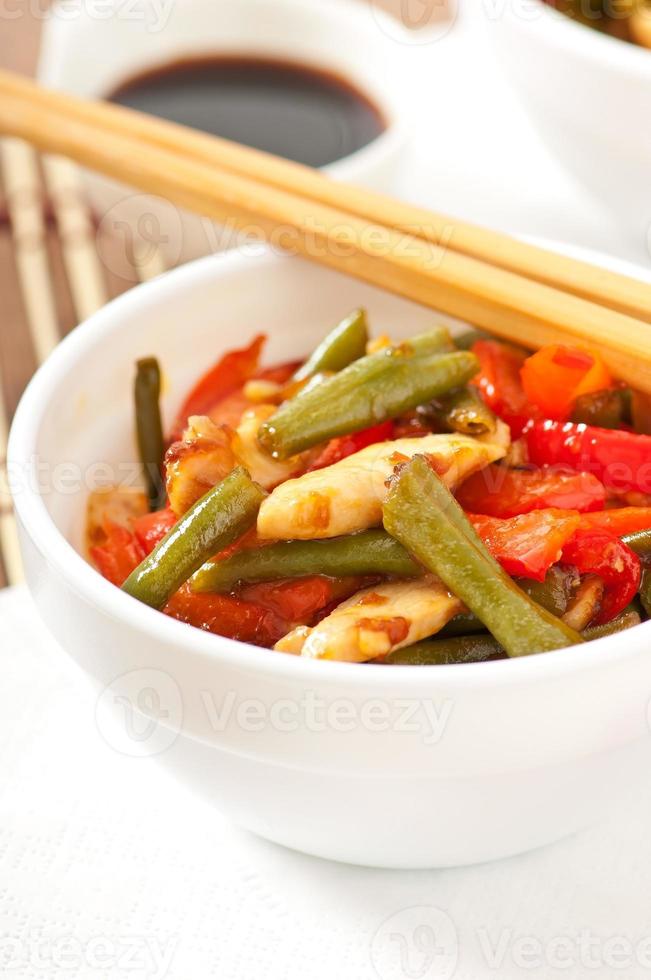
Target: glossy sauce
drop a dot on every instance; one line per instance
(292, 110)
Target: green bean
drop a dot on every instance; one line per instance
(481, 647)
(377, 387)
(645, 591)
(626, 619)
(465, 411)
(457, 650)
(607, 409)
(343, 345)
(149, 429)
(371, 552)
(220, 517)
(552, 594)
(462, 624)
(424, 516)
(466, 339)
(639, 542)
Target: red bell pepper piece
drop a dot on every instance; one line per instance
(294, 600)
(120, 553)
(344, 446)
(619, 520)
(621, 460)
(530, 544)
(555, 376)
(227, 375)
(501, 492)
(228, 616)
(500, 384)
(599, 552)
(152, 528)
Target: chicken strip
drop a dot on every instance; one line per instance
(376, 621)
(348, 496)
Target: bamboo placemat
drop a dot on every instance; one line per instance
(51, 278)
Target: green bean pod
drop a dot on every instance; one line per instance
(553, 595)
(373, 389)
(465, 411)
(218, 519)
(149, 429)
(627, 618)
(467, 338)
(639, 542)
(607, 409)
(343, 345)
(371, 552)
(456, 650)
(424, 516)
(645, 591)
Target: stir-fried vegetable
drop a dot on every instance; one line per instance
(546, 544)
(500, 383)
(227, 376)
(598, 552)
(608, 409)
(371, 552)
(501, 492)
(621, 460)
(149, 427)
(554, 377)
(372, 389)
(343, 345)
(465, 411)
(214, 522)
(422, 514)
(527, 545)
(455, 650)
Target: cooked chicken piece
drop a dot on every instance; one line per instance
(348, 495)
(197, 462)
(119, 505)
(265, 470)
(377, 621)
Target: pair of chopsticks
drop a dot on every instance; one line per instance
(514, 290)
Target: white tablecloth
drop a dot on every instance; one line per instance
(107, 869)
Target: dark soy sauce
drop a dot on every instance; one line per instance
(295, 111)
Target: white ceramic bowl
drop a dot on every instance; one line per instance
(396, 767)
(589, 96)
(90, 51)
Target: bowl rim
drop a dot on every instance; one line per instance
(80, 576)
(578, 39)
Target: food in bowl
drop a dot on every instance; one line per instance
(628, 20)
(422, 502)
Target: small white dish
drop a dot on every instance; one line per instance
(589, 95)
(91, 53)
(386, 766)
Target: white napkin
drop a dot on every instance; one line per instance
(110, 870)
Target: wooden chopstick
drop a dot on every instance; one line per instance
(601, 286)
(506, 304)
